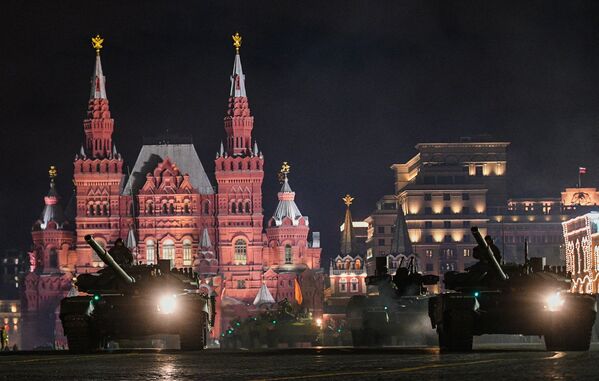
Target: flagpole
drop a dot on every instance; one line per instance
(578, 177)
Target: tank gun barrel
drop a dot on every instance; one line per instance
(107, 258)
(488, 253)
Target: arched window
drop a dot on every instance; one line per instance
(354, 285)
(186, 252)
(240, 252)
(233, 207)
(247, 207)
(288, 254)
(339, 264)
(186, 207)
(98, 209)
(206, 207)
(343, 285)
(150, 208)
(240, 207)
(168, 250)
(358, 264)
(91, 209)
(171, 208)
(164, 209)
(347, 264)
(150, 250)
(105, 209)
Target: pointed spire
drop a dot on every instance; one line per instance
(222, 149)
(205, 241)
(401, 243)
(82, 151)
(52, 210)
(98, 90)
(255, 147)
(114, 152)
(264, 296)
(347, 236)
(237, 78)
(131, 240)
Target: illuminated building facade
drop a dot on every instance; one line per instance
(167, 208)
(581, 236)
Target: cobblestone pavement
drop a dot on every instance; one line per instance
(486, 363)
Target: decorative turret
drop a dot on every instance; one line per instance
(347, 235)
(287, 207)
(264, 296)
(98, 126)
(52, 216)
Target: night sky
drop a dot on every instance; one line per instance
(340, 89)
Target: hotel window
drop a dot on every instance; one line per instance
(382, 242)
(427, 197)
(343, 285)
(428, 210)
(186, 252)
(466, 224)
(429, 253)
(429, 267)
(465, 210)
(381, 229)
(428, 224)
(467, 252)
(447, 210)
(479, 170)
(465, 196)
(428, 239)
(288, 254)
(150, 250)
(354, 285)
(447, 224)
(240, 252)
(446, 197)
(358, 264)
(447, 238)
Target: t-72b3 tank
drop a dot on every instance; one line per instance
(395, 308)
(124, 302)
(512, 299)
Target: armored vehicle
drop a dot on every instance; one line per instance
(529, 299)
(125, 302)
(395, 309)
(272, 328)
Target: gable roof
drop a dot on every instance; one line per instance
(184, 155)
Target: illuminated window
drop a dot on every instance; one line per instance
(186, 252)
(240, 252)
(354, 285)
(343, 285)
(168, 250)
(288, 254)
(150, 250)
(358, 264)
(467, 252)
(429, 253)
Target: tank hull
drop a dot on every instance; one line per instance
(111, 317)
(378, 320)
(460, 316)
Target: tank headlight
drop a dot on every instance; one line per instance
(554, 302)
(167, 304)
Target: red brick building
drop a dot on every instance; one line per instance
(168, 208)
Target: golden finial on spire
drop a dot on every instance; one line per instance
(348, 200)
(283, 172)
(52, 172)
(236, 41)
(97, 43)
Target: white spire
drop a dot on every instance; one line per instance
(98, 89)
(222, 148)
(205, 241)
(264, 296)
(131, 241)
(255, 147)
(237, 79)
(114, 150)
(82, 151)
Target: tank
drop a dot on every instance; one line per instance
(273, 328)
(130, 302)
(528, 299)
(394, 311)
